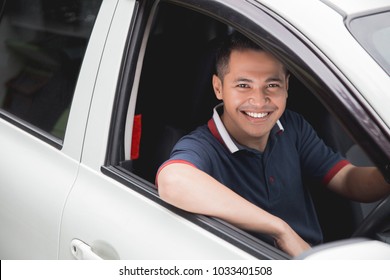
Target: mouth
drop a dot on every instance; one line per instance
(255, 115)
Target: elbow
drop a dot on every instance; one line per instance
(175, 186)
(168, 183)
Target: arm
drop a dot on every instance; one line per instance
(364, 184)
(191, 189)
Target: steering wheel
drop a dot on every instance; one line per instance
(376, 221)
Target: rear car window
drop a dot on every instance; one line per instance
(42, 44)
(373, 33)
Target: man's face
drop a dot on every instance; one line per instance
(254, 92)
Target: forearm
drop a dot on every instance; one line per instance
(364, 184)
(195, 191)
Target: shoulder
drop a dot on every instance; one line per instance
(295, 124)
(197, 138)
(291, 118)
(199, 144)
(199, 148)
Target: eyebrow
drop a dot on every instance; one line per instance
(246, 80)
(274, 79)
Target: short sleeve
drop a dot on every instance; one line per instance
(195, 149)
(318, 161)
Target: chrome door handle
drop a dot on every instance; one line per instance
(83, 251)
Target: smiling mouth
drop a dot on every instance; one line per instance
(257, 115)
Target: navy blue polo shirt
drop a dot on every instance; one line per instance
(273, 179)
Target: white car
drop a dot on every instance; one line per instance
(93, 95)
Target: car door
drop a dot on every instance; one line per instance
(45, 97)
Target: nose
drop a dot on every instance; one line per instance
(259, 98)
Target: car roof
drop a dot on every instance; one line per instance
(357, 7)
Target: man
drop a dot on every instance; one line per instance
(246, 166)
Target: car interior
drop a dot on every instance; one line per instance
(175, 96)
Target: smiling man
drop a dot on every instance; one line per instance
(254, 91)
(247, 165)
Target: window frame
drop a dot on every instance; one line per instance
(264, 27)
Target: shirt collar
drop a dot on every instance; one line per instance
(219, 131)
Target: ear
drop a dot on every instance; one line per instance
(287, 83)
(217, 86)
(287, 80)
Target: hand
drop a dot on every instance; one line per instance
(290, 242)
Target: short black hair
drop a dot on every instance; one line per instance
(233, 42)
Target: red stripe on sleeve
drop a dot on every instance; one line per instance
(335, 169)
(170, 162)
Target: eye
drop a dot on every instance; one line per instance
(243, 86)
(273, 85)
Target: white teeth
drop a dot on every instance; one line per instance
(257, 115)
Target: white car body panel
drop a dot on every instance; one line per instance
(74, 137)
(95, 145)
(357, 6)
(350, 250)
(32, 219)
